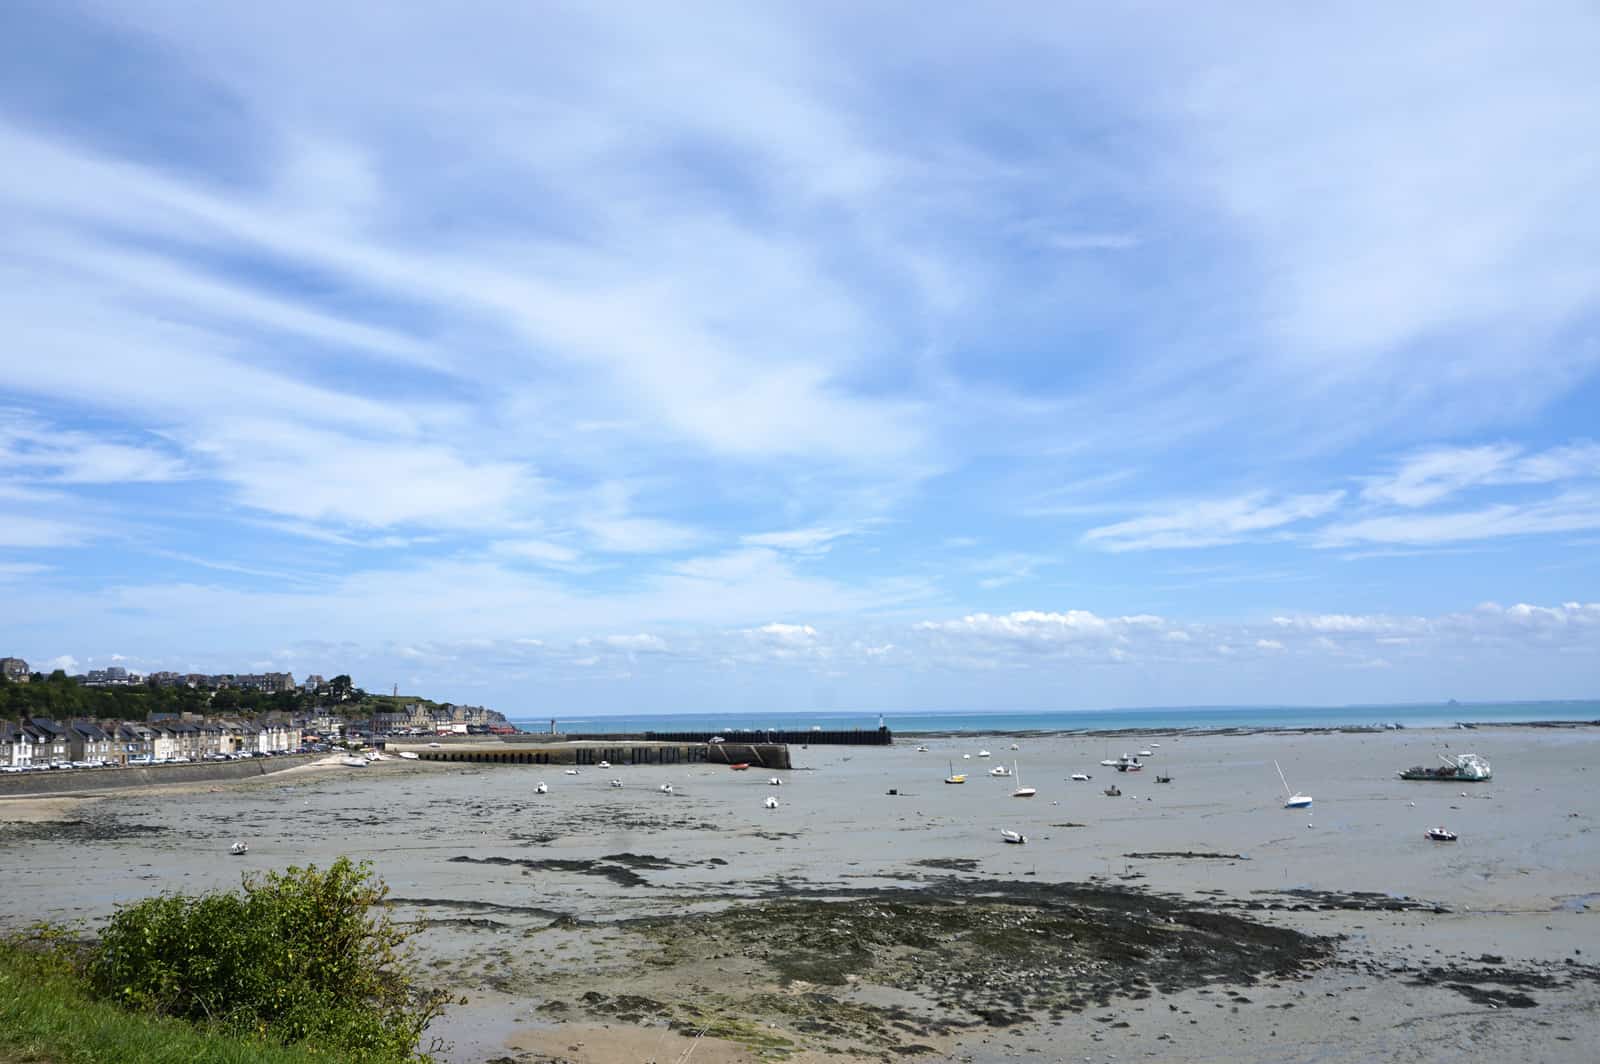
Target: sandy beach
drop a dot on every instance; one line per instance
(851, 924)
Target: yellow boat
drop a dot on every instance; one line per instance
(955, 777)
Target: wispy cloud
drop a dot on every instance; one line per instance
(1212, 523)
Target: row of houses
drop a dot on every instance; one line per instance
(41, 742)
(419, 718)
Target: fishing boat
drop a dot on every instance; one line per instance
(1460, 768)
(771, 802)
(238, 849)
(1440, 835)
(1021, 791)
(955, 777)
(1293, 800)
(999, 770)
(1016, 838)
(541, 787)
(1113, 791)
(1126, 763)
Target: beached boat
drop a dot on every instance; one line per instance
(1294, 800)
(616, 783)
(572, 772)
(1126, 763)
(774, 781)
(955, 777)
(999, 770)
(1080, 777)
(1021, 791)
(541, 787)
(1440, 835)
(984, 753)
(603, 764)
(1113, 791)
(1146, 753)
(410, 755)
(1016, 838)
(353, 762)
(922, 749)
(1163, 779)
(740, 766)
(1460, 768)
(238, 849)
(771, 802)
(666, 788)
(1014, 746)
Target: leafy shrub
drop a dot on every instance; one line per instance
(296, 955)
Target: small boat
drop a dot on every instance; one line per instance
(1014, 837)
(1146, 753)
(1294, 800)
(966, 757)
(1163, 779)
(999, 770)
(771, 802)
(955, 777)
(1080, 777)
(984, 753)
(239, 848)
(541, 787)
(1014, 746)
(922, 749)
(774, 782)
(1113, 791)
(616, 783)
(409, 755)
(666, 788)
(572, 772)
(603, 764)
(353, 762)
(1440, 835)
(1127, 763)
(1021, 791)
(740, 766)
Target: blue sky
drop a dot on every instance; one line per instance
(587, 358)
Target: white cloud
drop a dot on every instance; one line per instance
(1571, 512)
(1431, 475)
(802, 540)
(65, 662)
(1212, 523)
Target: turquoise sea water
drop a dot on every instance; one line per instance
(1415, 715)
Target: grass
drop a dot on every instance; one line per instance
(46, 1017)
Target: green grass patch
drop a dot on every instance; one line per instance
(48, 1017)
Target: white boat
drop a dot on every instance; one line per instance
(603, 764)
(1128, 763)
(1080, 777)
(922, 749)
(1294, 800)
(1015, 837)
(999, 770)
(1145, 753)
(238, 849)
(409, 755)
(1440, 835)
(966, 757)
(1014, 746)
(984, 753)
(771, 802)
(1110, 762)
(774, 782)
(616, 783)
(666, 788)
(541, 787)
(572, 772)
(1021, 791)
(353, 762)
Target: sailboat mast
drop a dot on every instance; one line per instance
(1282, 778)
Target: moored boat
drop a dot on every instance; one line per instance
(1016, 838)
(1459, 768)
(1440, 835)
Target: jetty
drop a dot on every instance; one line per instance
(537, 750)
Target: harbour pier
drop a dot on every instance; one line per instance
(520, 750)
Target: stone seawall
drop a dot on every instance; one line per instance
(89, 780)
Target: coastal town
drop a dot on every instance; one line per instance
(321, 715)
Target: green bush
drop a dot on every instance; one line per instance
(296, 956)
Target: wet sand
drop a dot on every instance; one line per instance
(528, 903)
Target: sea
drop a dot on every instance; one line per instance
(1409, 715)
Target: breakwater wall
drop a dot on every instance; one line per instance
(91, 780)
(850, 737)
(523, 751)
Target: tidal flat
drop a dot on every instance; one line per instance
(1190, 920)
